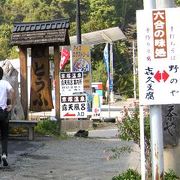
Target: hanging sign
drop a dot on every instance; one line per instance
(158, 56)
(74, 106)
(40, 95)
(71, 82)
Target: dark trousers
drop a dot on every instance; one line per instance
(4, 127)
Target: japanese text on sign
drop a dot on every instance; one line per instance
(159, 33)
(171, 124)
(80, 52)
(74, 106)
(71, 82)
(40, 97)
(158, 56)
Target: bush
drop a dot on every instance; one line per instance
(129, 129)
(47, 127)
(171, 175)
(130, 174)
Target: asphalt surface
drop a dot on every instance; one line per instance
(73, 158)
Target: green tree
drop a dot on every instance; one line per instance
(95, 15)
(5, 34)
(102, 14)
(99, 72)
(177, 2)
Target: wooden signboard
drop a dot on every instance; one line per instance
(40, 96)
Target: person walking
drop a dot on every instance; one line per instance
(7, 96)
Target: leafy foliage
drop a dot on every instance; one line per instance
(99, 74)
(130, 174)
(5, 34)
(95, 15)
(129, 129)
(177, 2)
(171, 175)
(47, 127)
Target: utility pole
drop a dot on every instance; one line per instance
(78, 22)
(166, 4)
(156, 123)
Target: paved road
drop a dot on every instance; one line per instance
(73, 158)
(111, 133)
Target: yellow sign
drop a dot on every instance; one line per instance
(96, 109)
(81, 61)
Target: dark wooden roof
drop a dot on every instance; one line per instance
(44, 32)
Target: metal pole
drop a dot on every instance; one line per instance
(78, 22)
(156, 142)
(148, 4)
(156, 126)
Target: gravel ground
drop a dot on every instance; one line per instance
(70, 159)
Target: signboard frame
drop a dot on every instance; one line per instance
(159, 74)
(73, 106)
(71, 82)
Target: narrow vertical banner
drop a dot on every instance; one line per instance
(81, 62)
(40, 96)
(106, 61)
(65, 55)
(96, 107)
(111, 68)
(106, 58)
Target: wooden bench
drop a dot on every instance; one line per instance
(26, 124)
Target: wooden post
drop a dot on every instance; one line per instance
(57, 84)
(23, 79)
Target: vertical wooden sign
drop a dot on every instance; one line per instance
(40, 95)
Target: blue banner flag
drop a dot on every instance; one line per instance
(106, 61)
(106, 58)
